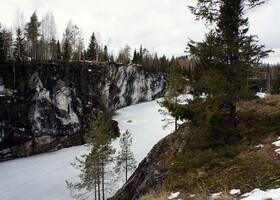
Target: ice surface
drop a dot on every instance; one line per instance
(43, 176)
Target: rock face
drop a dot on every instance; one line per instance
(51, 102)
(128, 85)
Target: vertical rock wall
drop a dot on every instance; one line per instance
(48, 108)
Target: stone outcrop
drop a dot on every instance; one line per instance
(49, 103)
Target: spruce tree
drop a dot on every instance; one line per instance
(58, 51)
(93, 165)
(32, 32)
(176, 84)
(105, 54)
(92, 48)
(66, 50)
(1, 45)
(19, 45)
(224, 60)
(125, 159)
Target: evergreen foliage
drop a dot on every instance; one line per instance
(176, 84)
(66, 50)
(92, 48)
(224, 61)
(58, 51)
(105, 54)
(32, 32)
(1, 45)
(19, 45)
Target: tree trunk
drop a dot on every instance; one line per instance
(102, 174)
(98, 179)
(126, 167)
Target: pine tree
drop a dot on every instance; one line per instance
(125, 159)
(93, 165)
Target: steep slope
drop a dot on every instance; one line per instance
(47, 105)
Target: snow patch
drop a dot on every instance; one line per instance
(259, 146)
(258, 194)
(261, 94)
(234, 191)
(277, 143)
(174, 195)
(216, 194)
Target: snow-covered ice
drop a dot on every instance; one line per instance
(43, 176)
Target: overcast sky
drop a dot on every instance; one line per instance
(162, 26)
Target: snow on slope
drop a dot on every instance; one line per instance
(43, 176)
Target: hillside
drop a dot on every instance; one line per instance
(186, 162)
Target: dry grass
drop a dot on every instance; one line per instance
(196, 196)
(262, 108)
(155, 196)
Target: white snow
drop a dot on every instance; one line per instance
(216, 194)
(174, 195)
(277, 143)
(43, 176)
(234, 191)
(259, 146)
(258, 194)
(261, 94)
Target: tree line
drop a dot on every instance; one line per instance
(37, 40)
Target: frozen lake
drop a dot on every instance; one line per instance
(43, 176)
